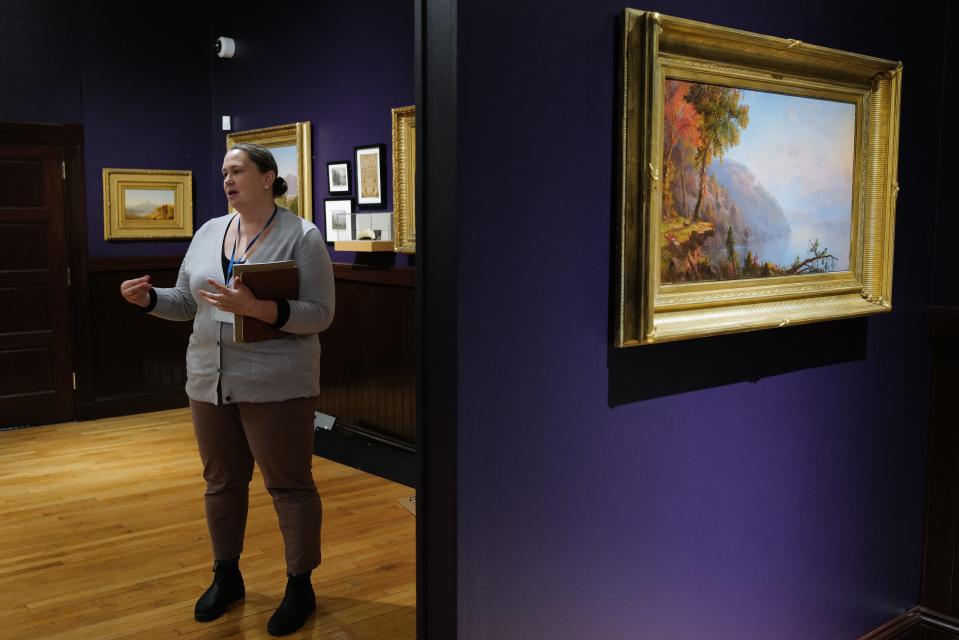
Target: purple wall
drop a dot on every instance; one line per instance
(149, 92)
(40, 68)
(146, 105)
(342, 65)
(788, 507)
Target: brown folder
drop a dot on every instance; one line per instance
(267, 281)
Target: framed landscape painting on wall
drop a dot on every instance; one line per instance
(147, 204)
(757, 181)
(290, 145)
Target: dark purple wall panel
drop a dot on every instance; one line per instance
(788, 507)
(146, 105)
(40, 62)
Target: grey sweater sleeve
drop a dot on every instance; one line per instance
(176, 303)
(313, 312)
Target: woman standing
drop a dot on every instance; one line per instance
(252, 401)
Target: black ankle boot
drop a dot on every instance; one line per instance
(226, 589)
(298, 603)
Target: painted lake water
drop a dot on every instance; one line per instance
(783, 250)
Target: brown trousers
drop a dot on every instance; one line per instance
(279, 437)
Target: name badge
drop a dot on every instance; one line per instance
(223, 316)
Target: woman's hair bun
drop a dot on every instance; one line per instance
(279, 186)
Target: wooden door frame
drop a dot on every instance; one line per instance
(70, 138)
(436, 318)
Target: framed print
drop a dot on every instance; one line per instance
(339, 218)
(369, 175)
(147, 204)
(757, 181)
(404, 179)
(290, 145)
(339, 176)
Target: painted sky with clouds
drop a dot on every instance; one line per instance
(801, 151)
(137, 197)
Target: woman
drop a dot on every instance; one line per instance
(252, 401)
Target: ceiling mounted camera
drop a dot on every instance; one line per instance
(224, 47)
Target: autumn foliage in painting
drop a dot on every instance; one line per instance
(702, 227)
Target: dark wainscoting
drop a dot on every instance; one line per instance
(136, 361)
(940, 575)
(368, 366)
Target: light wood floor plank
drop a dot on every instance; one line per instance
(103, 537)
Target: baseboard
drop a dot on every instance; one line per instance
(354, 449)
(919, 623)
(905, 627)
(112, 406)
(938, 626)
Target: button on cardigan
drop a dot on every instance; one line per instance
(267, 371)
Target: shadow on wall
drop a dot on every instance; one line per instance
(657, 370)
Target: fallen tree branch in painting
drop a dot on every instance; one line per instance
(820, 261)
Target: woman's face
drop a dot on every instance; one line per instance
(243, 182)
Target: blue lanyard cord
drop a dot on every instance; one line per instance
(233, 259)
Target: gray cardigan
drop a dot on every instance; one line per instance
(267, 371)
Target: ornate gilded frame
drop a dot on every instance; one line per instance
(654, 47)
(404, 179)
(297, 134)
(117, 226)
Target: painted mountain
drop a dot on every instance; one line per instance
(759, 212)
(149, 211)
(141, 210)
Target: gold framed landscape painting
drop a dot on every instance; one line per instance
(290, 144)
(404, 179)
(147, 204)
(757, 181)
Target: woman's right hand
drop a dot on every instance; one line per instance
(136, 291)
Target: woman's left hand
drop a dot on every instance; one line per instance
(238, 299)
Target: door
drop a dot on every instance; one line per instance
(36, 385)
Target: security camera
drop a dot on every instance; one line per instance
(224, 47)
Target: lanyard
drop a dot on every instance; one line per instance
(233, 259)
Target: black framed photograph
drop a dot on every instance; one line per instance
(370, 175)
(339, 218)
(339, 176)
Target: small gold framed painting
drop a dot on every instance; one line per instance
(147, 204)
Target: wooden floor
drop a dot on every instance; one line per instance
(102, 536)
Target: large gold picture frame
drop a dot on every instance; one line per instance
(648, 307)
(147, 204)
(404, 179)
(291, 146)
